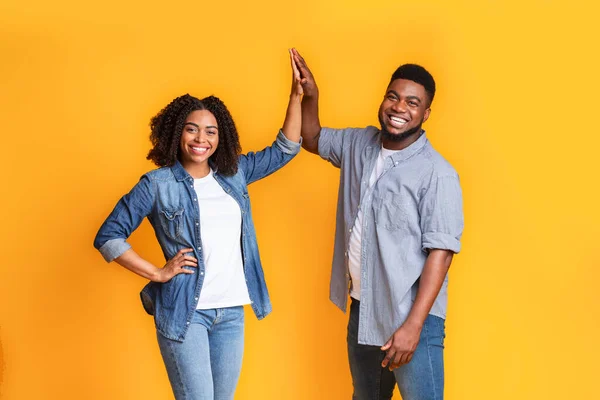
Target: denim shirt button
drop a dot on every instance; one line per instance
(187, 323)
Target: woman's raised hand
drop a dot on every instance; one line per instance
(297, 89)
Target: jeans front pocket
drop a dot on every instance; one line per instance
(171, 221)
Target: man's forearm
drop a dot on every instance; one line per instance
(311, 126)
(433, 275)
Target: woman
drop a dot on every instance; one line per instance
(198, 205)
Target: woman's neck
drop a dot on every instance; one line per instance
(197, 171)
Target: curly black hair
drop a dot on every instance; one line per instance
(167, 127)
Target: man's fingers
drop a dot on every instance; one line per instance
(300, 57)
(302, 65)
(387, 345)
(403, 359)
(388, 357)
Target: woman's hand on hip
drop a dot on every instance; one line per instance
(175, 265)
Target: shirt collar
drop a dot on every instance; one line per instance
(411, 150)
(180, 173)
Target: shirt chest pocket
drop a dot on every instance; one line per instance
(390, 212)
(171, 220)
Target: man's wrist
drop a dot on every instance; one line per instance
(310, 97)
(414, 322)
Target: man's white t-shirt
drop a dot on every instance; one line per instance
(356, 235)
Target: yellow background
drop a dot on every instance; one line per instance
(515, 114)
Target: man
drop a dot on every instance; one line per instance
(399, 222)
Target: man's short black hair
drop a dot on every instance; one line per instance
(418, 74)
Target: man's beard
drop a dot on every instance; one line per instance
(399, 137)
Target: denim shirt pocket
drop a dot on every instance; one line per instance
(390, 212)
(171, 221)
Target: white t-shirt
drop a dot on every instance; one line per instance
(220, 228)
(354, 245)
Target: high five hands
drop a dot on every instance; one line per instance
(307, 80)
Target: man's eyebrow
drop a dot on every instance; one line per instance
(414, 98)
(409, 97)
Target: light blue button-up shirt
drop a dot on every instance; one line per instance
(414, 206)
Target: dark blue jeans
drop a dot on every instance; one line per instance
(421, 379)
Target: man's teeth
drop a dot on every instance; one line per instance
(399, 120)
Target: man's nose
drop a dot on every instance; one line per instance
(399, 106)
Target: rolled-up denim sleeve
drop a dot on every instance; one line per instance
(128, 214)
(257, 165)
(441, 214)
(332, 143)
(286, 145)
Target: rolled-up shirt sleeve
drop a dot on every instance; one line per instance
(286, 145)
(128, 214)
(260, 164)
(441, 212)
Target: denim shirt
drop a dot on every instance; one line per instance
(166, 196)
(414, 206)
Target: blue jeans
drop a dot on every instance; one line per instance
(421, 379)
(207, 364)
